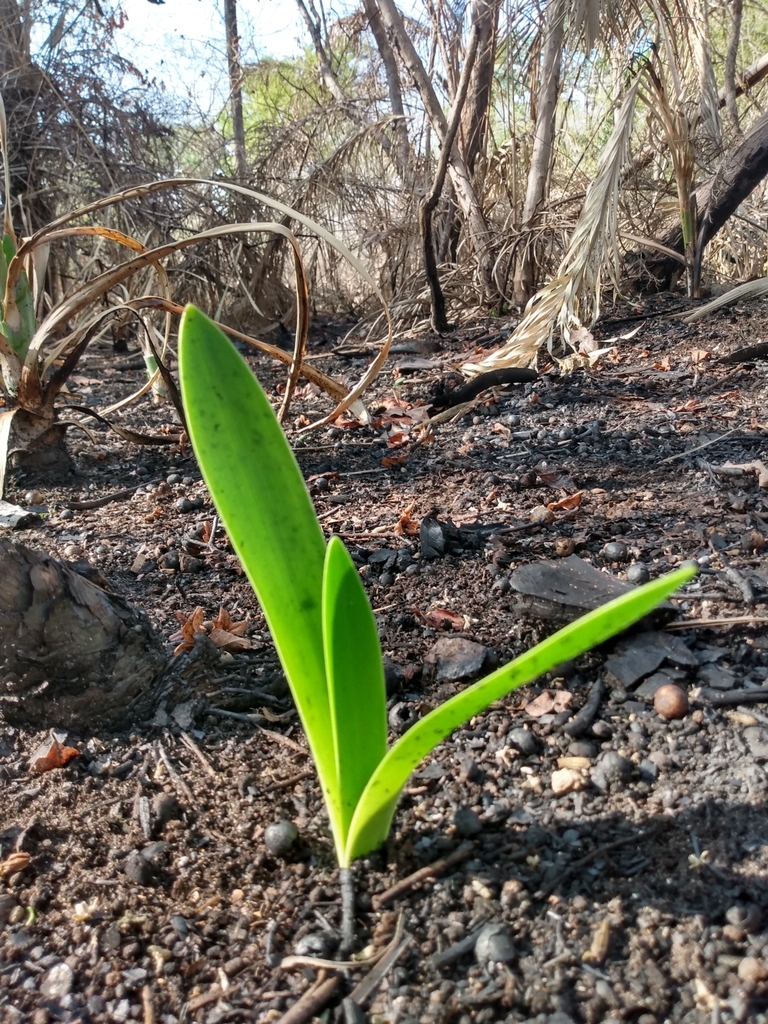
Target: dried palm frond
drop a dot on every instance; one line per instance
(593, 251)
(749, 290)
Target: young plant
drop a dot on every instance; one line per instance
(317, 609)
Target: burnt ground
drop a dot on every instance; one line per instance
(638, 895)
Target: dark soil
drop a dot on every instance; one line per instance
(639, 895)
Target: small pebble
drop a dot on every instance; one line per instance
(582, 748)
(746, 916)
(566, 780)
(564, 547)
(524, 740)
(494, 944)
(616, 551)
(637, 574)
(183, 505)
(753, 968)
(280, 836)
(66, 513)
(467, 822)
(138, 869)
(320, 944)
(58, 982)
(670, 701)
(33, 497)
(173, 478)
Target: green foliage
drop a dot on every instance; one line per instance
(18, 322)
(315, 604)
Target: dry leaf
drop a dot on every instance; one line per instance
(443, 618)
(57, 756)
(393, 460)
(571, 501)
(548, 702)
(407, 526)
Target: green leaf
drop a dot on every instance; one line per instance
(259, 492)
(373, 816)
(355, 674)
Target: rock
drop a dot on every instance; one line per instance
(756, 737)
(524, 741)
(453, 658)
(716, 677)
(582, 748)
(280, 836)
(321, 944)
(467, 822)
(670, 701)
(612, 770)
(184, 505)
(566, 780)
(58, 982)
(615, 551)
(138, 869)
(753, 969)
(494, 944)
(637, 574)
(394, 676)
(7, 906)
(746, 916)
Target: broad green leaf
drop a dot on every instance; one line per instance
(19, 322)
(260, 495)
(372, 819)
(355, 674)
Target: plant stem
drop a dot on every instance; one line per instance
(347, 886)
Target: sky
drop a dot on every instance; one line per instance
(181, 42)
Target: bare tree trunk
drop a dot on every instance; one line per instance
(474, 118)
(394, 86)
(235, 88)
(429, 203)
(730, 64)
(543, 143)
(477, 228)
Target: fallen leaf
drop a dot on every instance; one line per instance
(442, 618)
(398, 439)
(227, 641)
(407, 526)
(224, 621)
(548, 702)
(393, 460)
(57, 756)
(189, 628)
(571, 501)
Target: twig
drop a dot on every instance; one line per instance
(365, 989)
(189, 742)
(736, 620)
(583, 861)
(176, 779)
(582, 721)
(406, 884)
(107, 499)
(249, 720)
(457, 950)
(313, 1001)
(146, 1002)
(722, 697)
(698, 448)
(285, 783)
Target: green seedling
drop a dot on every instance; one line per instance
(316, 607)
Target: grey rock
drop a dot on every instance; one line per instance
(616, 551)
(716, 677)
(138, 869)
(757, 740)
(494, 943)
(637, 574)
(320, 944)
(524, 741)
(453, 658)
(615, 767)
(280, 836)
(649, 771)
(582, 748)
(165, 808)
(58, 982)
(184, 505)
(467, 822)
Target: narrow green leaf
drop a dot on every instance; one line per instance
(374, 812)
(355, 675)
(259, 492)
(19, 322)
